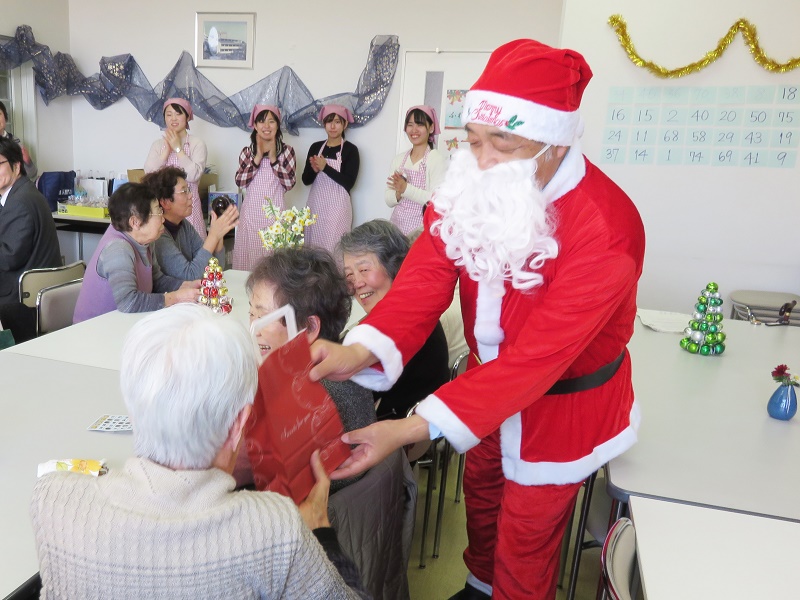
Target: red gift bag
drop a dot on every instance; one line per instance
(292, 416)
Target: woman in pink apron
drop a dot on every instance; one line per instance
(266, 171)
(178, 149)
(331, 171)
(416, 172)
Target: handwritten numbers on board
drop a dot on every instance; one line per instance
(725, 158)
(788, 94)
(754, 126)
(612, 156)
(786, 159)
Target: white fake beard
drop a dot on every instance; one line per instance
(495, 222)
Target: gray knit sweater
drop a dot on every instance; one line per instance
(181, 254)
(146, 531)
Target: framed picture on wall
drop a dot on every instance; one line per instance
(225, 40)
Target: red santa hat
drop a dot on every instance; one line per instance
(531, 90)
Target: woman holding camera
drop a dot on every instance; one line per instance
(266, 171)
(180, 251)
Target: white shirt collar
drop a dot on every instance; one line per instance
(5, 196)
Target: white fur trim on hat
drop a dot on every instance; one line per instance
(521, 117)
(384, 348)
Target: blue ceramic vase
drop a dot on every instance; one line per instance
(782, 404)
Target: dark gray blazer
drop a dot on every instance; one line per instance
(28, 237)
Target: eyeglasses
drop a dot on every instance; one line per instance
(183, 191)
(158, 212)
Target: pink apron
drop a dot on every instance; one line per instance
(331, 203)
(407, 215)
(196, 218)
(248, 247)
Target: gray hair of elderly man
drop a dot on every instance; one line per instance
(186, 375)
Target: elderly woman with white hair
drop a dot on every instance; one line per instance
(169, 523)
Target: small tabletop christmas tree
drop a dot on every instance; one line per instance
(213, 290)
(704, 334)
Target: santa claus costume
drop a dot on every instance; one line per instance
(547, 398)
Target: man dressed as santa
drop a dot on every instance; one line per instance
(548, 251)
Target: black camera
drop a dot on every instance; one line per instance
(220, 204)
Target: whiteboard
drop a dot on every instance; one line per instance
(713, 221)
(427, 78)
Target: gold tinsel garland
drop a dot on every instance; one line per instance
(748, 33)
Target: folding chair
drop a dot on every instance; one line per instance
(33, 280)
(55, 306)
(619, 561)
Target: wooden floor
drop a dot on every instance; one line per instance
(444, 576)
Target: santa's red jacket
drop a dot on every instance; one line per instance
(580, 319)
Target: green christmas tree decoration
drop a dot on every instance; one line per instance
(704, 334)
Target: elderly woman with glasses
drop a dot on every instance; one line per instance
(373, 253)
(168, 522)
(180, 250)
(124, 273)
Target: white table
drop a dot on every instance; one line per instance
(55, 386)
(47, 406)
(706, 437)
(98, 342)
(696, 553)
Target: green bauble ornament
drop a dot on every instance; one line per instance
(699, 307)
(713, 328)
(694, 325)
(718, 317)
(693, 348)
(702, 300)
(712, 287)
(705, 349)
(709, 317)
(719, 348)
(685, 343)
(711, 338)
(721, 337)
(704, 326)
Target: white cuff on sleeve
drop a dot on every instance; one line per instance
(440, 417)
(383, 347)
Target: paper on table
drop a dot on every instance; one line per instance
(111, 423)
(664, 322)
(292, 416)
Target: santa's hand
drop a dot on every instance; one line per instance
(337, 362)
(377, 441)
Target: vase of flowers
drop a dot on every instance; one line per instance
(288, 227)
(782, 404)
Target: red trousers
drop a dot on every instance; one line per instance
(514, 531)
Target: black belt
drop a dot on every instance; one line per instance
(586, 382)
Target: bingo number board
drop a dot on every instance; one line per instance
(730, 126)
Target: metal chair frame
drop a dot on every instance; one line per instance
(459, 365)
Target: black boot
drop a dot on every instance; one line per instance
(470, 593)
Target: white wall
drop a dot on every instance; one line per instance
(734, 226)
(49, 20)
(328, 51)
